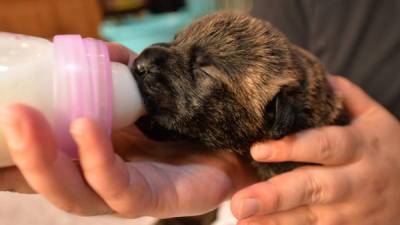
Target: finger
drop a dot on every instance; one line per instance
(120, 53)
(323, 215)
(290, 190)
(145, 188)
(104, 171)
(12, 180)
(48, 171)
(298, 216)
(331, 145)
(355, 100)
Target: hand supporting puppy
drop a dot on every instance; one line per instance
(103, 183)
(357, 183)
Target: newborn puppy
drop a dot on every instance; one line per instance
(228, 81)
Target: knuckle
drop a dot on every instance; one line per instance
(114, 195)
(343, 136)
(313, 192)
(324, 146)
(288, 147)
(350, 143)
(276, 202)
(93, 167)
(276, 197)
(311, 217)
(338, 189)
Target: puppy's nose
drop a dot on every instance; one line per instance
(150, 60)
(141, 67)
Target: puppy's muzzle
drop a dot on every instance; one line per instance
(150, 61)
(149, 70)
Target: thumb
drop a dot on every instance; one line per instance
(120, 53)
(355, 100)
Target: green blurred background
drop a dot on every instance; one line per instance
(138, 23)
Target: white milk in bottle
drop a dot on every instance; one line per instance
(65, 79)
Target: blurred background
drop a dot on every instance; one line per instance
(134, 23)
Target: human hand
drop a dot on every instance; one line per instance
(103, 183)
(357, 183)
(11, 178)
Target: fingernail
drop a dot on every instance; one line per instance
(76, 128)
(248, 207)
(12, 129)
(261, 151)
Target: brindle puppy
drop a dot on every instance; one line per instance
(228, 81)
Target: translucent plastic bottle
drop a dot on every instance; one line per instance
(66, 79)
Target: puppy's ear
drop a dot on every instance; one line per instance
(284, 116)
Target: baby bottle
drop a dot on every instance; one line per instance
(66, 79)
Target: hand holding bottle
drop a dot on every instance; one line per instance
(103, 183)
(66, 79)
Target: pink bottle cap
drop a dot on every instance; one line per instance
(82, 86)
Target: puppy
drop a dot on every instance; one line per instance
(228, 81)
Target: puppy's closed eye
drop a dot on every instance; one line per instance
(200, 58)
(205, 71)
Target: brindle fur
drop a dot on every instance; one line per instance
(228, 81)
